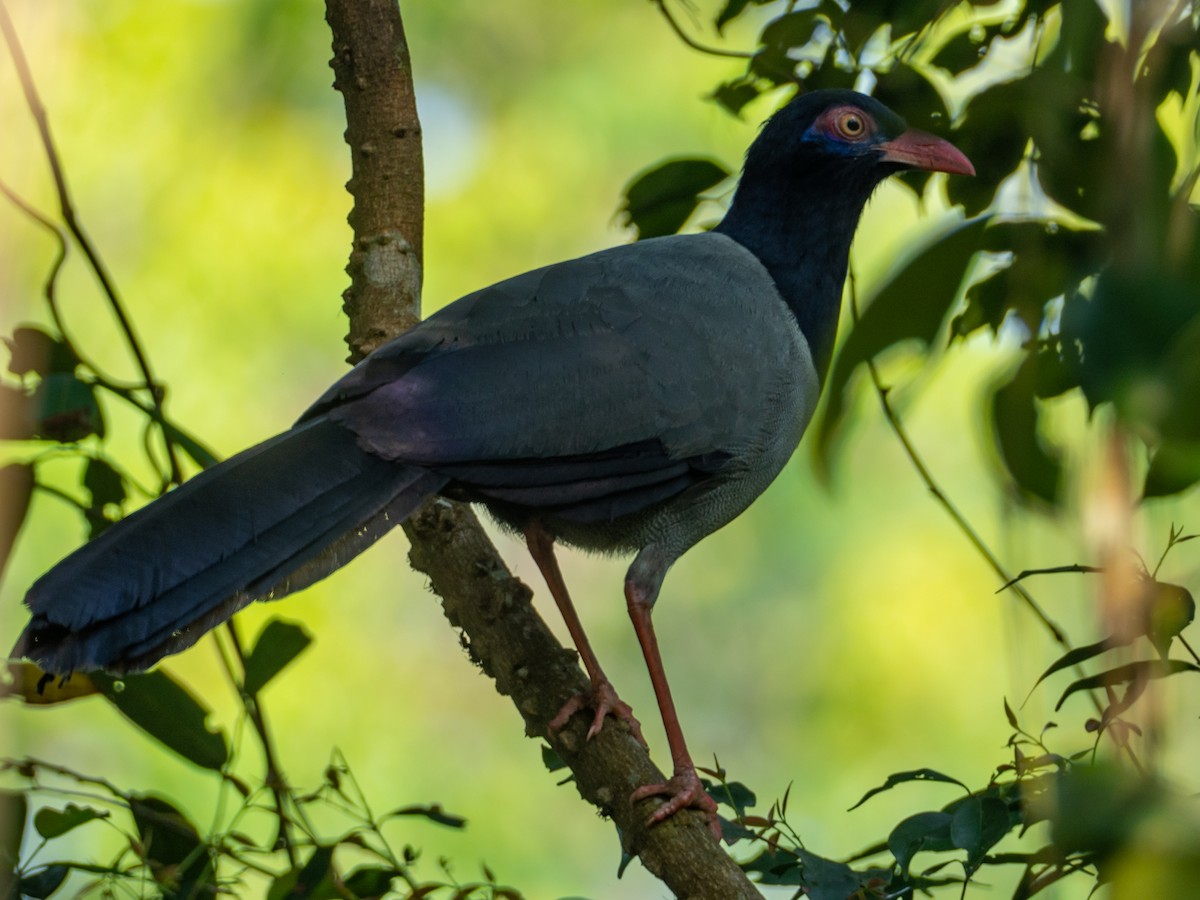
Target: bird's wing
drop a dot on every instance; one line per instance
(636, 366)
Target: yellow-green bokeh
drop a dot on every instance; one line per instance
(827, 638)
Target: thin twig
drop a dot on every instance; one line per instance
(932, 486)
(1055, 570)
(274, 778)
(692, 42)
(38, 111)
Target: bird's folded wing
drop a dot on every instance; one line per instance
(627, 371)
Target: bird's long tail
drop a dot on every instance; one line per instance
(262, 524)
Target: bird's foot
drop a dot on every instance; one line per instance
(683, 790)
(604, 700)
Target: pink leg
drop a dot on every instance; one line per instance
(602, 698)
(683, 789)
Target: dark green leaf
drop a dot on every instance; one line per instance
(279, 643)
(1142, 671)
(978, 824)
(734, 95)
(1170, 609)
(1174, 467)
(733, 9)
(1078, 655)
(167, 711)
(658, 201)
(1010, 715)
(433, 813)
(1095, 809)
(44, 882)
(1035, 469)
(51, 823)
(312, 882)
(904, 777)
(775, 867)
(34, 350)
(923, 831)
(551, 760)
(911, 94)
(826, 879)
(370, 882)
(171, 841)
(733, 794)
(67, 410)
(104, 482)
(782, 36)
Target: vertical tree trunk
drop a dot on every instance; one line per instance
(505, 635)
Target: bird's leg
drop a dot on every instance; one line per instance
(602, 697)
(683, 789)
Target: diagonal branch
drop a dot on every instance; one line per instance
(505, 636)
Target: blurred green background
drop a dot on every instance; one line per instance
(832, 635)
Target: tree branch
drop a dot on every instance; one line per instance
(502, 631)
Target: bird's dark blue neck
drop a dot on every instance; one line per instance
(800, 225)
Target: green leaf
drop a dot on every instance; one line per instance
(731, 10)
(44, 882)
(1036, 470)
(1142, 671)
(167, 711)
(370, 881)
(432, 812)
(733, 794)
(923, 831)
(279, 643)
(1170, 609)
(977, 824)
(659, 200)
(103, 482)
(35, 350)
(312, 882)
(826, 879)
(779, 40)
(172, 842)
(551, 760)
(52, 823)
(67, 410)
(904, 777)
(1010, 715)
(1078, 655)
(1174, 467)
(734, 95)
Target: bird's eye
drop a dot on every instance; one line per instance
(851, 125)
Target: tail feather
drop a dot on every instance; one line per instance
(252, 527)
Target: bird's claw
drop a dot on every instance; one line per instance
(682, 790)
(604, 700)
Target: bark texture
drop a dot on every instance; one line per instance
(480, 596)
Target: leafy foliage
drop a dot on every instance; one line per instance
(1083, 208)
(1078, 237)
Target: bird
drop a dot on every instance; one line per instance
(631, 401)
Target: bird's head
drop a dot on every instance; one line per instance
(847, 137)
(807, 177)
